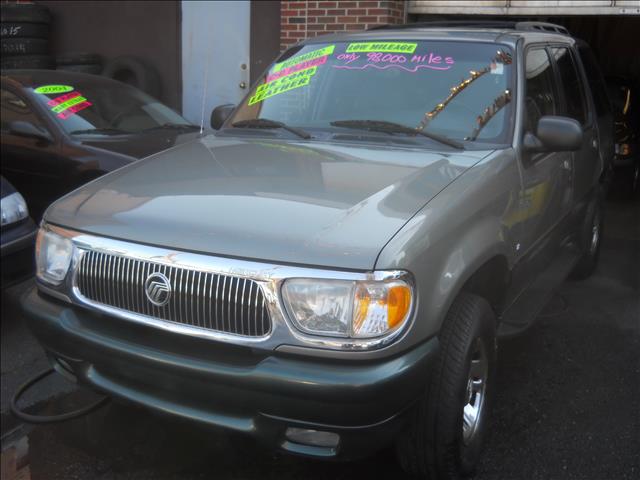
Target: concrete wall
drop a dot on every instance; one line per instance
(148, 29)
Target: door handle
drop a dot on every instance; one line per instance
(594, 143)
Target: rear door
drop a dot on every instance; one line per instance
(601, 103)
(587, 162)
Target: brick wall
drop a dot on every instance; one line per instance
(304, 19)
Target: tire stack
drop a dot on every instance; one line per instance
(25, 31)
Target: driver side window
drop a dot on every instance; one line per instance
(13, 109)
(540, 96)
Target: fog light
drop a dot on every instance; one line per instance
(314, 438)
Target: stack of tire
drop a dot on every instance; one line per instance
(25, 33)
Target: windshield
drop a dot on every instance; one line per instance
(458, 90)
(104, 108)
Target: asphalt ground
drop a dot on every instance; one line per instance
(567, 407)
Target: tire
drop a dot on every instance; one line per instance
(94, 69)
(78, 59)
(436, 444)
(24, 46)
(22, 30)
(27, 62)
(132, 71)
(24, 13)
(592, 239)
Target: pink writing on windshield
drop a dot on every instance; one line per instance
(62, 98)
(432, 59)
(74, 109)
(296, 68)
(406, 62)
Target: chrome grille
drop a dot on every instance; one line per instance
(211, 301)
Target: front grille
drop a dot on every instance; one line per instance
(211, 301)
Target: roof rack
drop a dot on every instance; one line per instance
(506, 24)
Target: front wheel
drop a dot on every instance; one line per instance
(445, 436)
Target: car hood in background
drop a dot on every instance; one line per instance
(313, 203)
(138, 145)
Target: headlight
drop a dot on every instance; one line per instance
(14, 209)
(353, 309)
(53, 256)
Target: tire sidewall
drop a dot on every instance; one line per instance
(469, 455)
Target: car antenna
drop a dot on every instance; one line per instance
(204, 93)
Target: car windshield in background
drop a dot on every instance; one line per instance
(106, 109)
(455, 91)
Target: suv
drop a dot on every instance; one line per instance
(330, 270)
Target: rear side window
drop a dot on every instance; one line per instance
(540, 95)
(572, 87)
(596, 81)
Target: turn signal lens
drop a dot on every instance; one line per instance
(380, 308)
(398, 304)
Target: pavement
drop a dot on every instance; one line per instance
(568, 399)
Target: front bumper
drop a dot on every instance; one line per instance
(236, 387)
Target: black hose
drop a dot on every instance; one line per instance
(40, 419)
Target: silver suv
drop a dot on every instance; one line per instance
(330, 270)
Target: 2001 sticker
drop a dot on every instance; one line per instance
(48, 89)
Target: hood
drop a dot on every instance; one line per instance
(311, 203)
(139, 145)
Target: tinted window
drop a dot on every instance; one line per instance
(91, 107)
(540, 94)
(15, 109)
(457, 89)
(572, 87)
(596, 82)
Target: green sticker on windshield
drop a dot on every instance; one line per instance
(68, 104)
(284, 84)
(303, 58)
(395, 47)
(47, 89)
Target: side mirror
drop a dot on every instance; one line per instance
(554, 134)
(220, 114)
(28, 130)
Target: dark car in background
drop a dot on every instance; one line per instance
(18, 233)
(624, 93)
(62, 129)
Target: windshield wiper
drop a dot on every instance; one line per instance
(172, 126)
(266, 123)
(392, 127)
(100, 131)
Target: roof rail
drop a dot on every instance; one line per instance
(506, 24)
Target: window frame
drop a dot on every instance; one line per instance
(556, 91)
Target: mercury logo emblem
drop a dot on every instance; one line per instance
(158, 289)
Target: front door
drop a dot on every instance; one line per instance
(545, 199)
